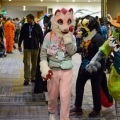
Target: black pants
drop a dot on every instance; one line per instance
(95, 78)
(17, 32)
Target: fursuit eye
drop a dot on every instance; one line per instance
(60, 22)
(69, 21)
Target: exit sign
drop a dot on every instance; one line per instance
(4, 12)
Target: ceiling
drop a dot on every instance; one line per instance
(18, 7)
(54, 0)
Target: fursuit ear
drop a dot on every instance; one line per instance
(71, 10)
(85, 22)
(57, 12)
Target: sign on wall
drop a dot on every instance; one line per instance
(4, 12)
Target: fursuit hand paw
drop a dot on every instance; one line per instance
(68, 38)
(93, 66)
(46, 72)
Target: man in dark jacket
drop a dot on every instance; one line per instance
(31, 34)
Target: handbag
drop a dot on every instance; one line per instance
(65, 65)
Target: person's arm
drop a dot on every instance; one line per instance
(40, 35)
(46, 72)
(109, 31)
(109, 17)
(21, 37)
(69, 43)
(13, 27)
(94, 64)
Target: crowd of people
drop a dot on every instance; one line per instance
(9, 34)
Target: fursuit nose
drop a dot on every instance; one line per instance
(66, 30)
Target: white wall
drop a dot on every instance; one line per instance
(19, 14)
(91, 7)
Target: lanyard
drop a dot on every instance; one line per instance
(30, 30)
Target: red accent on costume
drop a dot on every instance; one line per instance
(49, 75)
(57, 11)
(104, 100)
(70, 10)
(64, 11)
(71, 28)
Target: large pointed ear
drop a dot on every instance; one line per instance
(71, 10)
(57, 12)
(85, 22)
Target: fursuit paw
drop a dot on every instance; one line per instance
(46, 72)
(68, 38)
(93, 66)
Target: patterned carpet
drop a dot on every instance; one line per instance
(18, 102)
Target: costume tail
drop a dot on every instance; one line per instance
(104, 100)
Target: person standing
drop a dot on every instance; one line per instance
(9, 30)
(1, 30)
(92, 40)
(31, 34)
(56, 62)
(18, 27)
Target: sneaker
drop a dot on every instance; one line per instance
(26, 82)
(52, 116)
(76, 111)
(94, 114)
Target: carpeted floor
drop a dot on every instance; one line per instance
(17, 102)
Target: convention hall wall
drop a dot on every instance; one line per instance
(113, 7)
(20, 14)
(80, 9)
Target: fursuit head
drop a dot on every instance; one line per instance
(63, 22)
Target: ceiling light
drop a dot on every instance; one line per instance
(41, 0)
(89, 1)
(9, 0)
(73, 0)
(57, 0)
(24, 8)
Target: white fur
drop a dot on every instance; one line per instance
(90, 36)
(67, 38)
(55, 28)
(44, 68)
(58, 29)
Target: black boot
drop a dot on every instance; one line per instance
(94, 114)
(26, 82)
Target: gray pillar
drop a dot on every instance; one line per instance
(0, 6)
(103, 8)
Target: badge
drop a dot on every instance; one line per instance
(61, 55)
